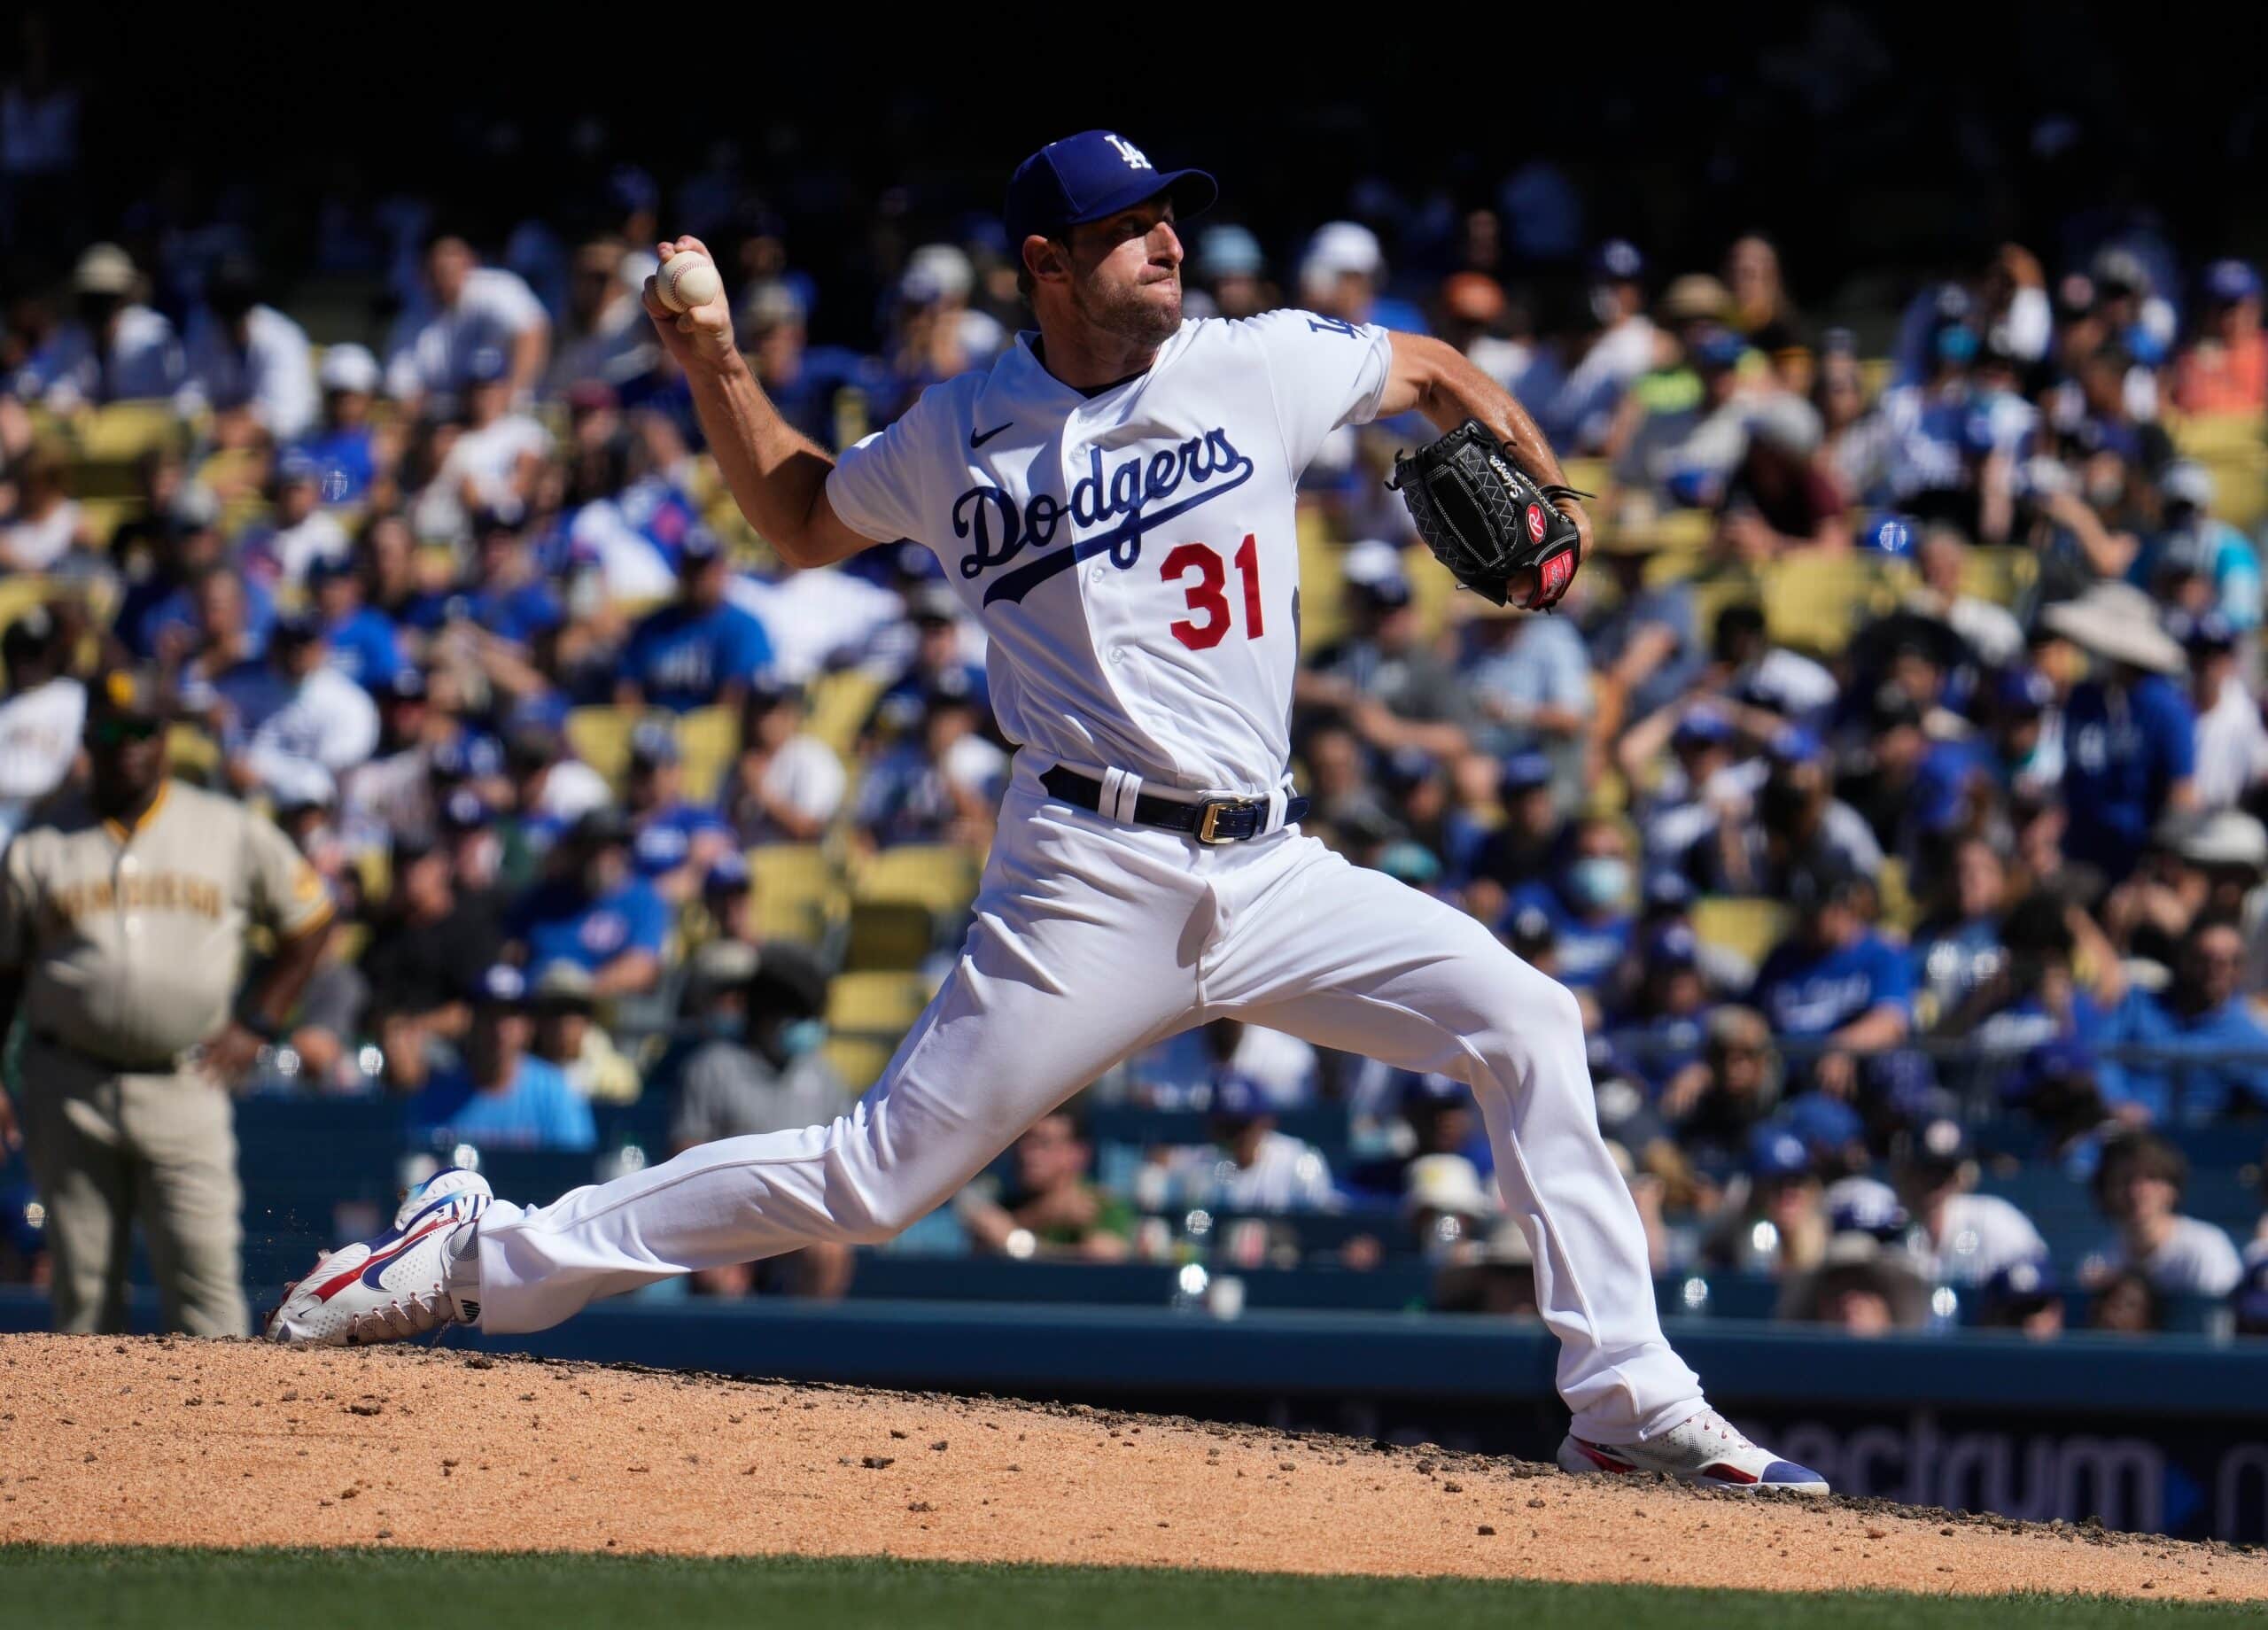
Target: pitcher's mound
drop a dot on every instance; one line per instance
(177, 1442)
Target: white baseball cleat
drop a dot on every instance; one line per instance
(447, 1181)
(406, 1282)
(1705, 1450)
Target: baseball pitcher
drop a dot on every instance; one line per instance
(1113, 500)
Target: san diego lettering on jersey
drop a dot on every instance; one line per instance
(1001, 530)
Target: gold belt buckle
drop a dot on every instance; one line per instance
(1209, 822)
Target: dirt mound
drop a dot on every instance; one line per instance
(237, 1443)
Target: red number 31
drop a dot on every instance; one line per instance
(1205, 595)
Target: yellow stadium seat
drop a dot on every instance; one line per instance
(2233, 448)
(936, 875)
(1594, 475)
(901, 900)
(2212, 435)
(859, 1062)
(2000, 575)
(838, 706)
(1748, 927)
(1900, 910)
(600, 738)
(105, 516)
(1874, 376)
(797, 892)
(875, 1005)
(125, 430)
(104, 480)
(708, 742)
(191, 754)
(1814, 600)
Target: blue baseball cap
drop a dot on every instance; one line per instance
(1775, 1151)
(1087, 176)
(1701, 726)
(1668, 889)
(1618, 260)
(2030, 1283)
(727, 874)
(1237, 1097)
(1673, 946)
(1525, 771)
(1795, 744)
(1826, 1124)
(2228, 282)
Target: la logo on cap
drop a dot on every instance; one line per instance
(1135, 157)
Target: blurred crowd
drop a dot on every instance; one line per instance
(1895, 767)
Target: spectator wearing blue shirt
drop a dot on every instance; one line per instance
(676, 842)
(499, 1095)
(344, 448)
(511, 600)
(699, 651)
(594, 910)
(2130, 742)
(364, 644)
(1835, 981)
(2212, 1054)
(1589, 903)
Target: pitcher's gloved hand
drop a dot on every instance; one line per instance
(1487, 520)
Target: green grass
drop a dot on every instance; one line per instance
(122, 1588)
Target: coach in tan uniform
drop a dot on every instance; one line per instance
(123, 907)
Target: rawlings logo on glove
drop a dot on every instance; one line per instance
(1486, 519)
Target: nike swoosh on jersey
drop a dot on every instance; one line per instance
(977, 439)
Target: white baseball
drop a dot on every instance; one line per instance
(687, 280)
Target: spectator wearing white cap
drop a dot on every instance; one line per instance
(113, 349)
(935, 333)
(1343, 275)
(247, 362)
(349, 451)
(467, 309)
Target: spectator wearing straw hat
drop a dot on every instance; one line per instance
(2129, 732)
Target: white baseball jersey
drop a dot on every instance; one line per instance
(1132, 556)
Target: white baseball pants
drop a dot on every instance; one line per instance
(1091, 941)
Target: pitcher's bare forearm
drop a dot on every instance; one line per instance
(776, 474)
(1441, 381)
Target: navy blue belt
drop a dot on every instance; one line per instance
(1214, 820)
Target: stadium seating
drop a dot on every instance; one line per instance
(799, 893)
(708, 742)
(1814, 600)
(2234, 448)
(1750, 927)
(905, 901)
(875, 1005)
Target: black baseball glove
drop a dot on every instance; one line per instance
(1486, 518)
